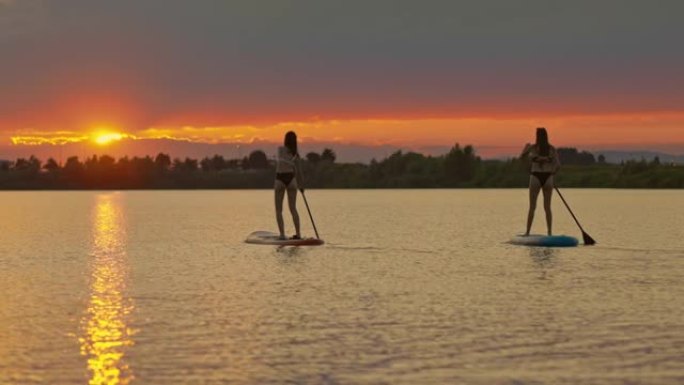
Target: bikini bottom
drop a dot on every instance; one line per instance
(285, 177)
(542, 177)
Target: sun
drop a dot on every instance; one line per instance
(105, 138)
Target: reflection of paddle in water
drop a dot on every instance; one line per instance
(106, 333)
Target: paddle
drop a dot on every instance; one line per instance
(301, 175)
(310, 216)
(587, 239)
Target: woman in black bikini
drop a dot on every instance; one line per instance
(545, 164)
(287, 179)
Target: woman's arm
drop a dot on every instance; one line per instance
(556, 161)
(526, 150)
(298, 172)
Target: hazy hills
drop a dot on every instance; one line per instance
(616, 156)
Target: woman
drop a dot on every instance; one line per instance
(545, 164)
(287, 179)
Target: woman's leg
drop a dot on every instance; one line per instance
(279, 196)
(535, 186)
(548, 192)
(292, 202)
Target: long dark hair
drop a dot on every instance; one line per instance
(542, 143)
(291, 142)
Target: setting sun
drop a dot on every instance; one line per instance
(108, 137)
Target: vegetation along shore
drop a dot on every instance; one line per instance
(459, 168)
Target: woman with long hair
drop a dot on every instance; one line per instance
(544, 165)
(287, 179)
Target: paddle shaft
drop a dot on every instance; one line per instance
(569, 209)
(310, 216)
(301, 176)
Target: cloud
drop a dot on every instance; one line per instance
(364, 139)
(167, 64)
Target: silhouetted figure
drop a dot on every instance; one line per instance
(287, 178)
(544, 164)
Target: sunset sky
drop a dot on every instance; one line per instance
(363, 76)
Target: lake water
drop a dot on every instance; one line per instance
(412, 287)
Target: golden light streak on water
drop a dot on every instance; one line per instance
(106, 335)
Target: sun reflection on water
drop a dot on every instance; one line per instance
(106, 335)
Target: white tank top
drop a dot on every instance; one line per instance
(285, 161)
(541, 163)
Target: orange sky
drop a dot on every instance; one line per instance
(495, 137)
(580, 130)
(411, 75)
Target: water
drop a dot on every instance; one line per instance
(413, 287)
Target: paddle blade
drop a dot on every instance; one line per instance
(587, 239)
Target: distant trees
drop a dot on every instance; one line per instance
(460, 167)
(328, 155)
(187, 165)
(30, 166)
(256, 160)
(460, 164)
(410, 169)
(73, 168)
(313, 157)
(656, 161)
(573, 157)
(216, 163)
(162, 162)
(51, 166)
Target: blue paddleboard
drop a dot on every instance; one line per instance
(545, 240)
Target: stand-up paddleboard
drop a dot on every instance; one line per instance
(271, 238)
(545, 240)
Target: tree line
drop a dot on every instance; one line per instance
(460, 167)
